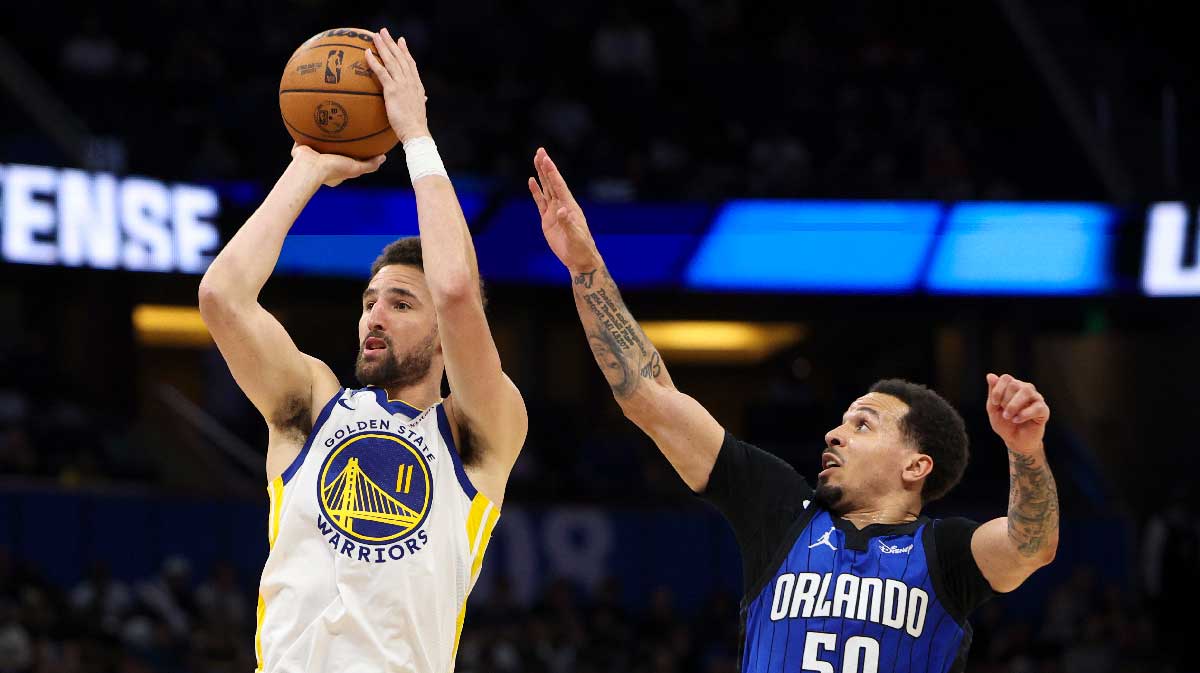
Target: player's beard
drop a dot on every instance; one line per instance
(829, 497)
(397, 370)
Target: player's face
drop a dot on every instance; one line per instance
(397, 332)
(865, 455)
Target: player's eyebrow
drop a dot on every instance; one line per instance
(867, 410)
(371, 292)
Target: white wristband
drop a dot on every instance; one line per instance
(423, 158)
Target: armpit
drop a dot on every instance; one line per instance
(294, 416)
(468, 449)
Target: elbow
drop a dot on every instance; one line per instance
(1050, 551)
(639, 405)
(459, 287)
(1043, 556)
(208, 298)
(214, 301)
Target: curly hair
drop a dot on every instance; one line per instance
(937, 429)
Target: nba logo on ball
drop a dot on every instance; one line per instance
(374, 489)
(333, 66)
(331, 117)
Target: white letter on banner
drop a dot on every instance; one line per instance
(195, 235)
(87, 219)
(578, 542)
(26, 216)
(145, 205)
(1163, 273)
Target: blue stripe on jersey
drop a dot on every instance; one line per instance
(854, 610)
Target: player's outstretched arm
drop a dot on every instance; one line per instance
(684, 431)
(1009, 549)
(283, 384)
(481, 394)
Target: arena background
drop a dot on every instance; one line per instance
(862, 190)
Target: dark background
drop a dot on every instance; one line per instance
(686, 100)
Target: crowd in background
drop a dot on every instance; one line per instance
(662, 100)
(186, 620)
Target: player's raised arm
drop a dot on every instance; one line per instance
(1009, 549)
(283, 384)
(684, 431)
(481, 394)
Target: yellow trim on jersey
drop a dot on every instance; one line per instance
(411, 405)
(262, 609)
(275, 493)
(487, 537)
(481, 521)
(474, 517)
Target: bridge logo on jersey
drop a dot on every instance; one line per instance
(374, 489)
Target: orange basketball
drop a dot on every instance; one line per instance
(330, 99)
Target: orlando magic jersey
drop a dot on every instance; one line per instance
(854, 609)
(376, 538)
(824, 596)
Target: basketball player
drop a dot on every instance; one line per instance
(383, 498)
(847, 576)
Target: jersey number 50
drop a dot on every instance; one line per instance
(861, 654)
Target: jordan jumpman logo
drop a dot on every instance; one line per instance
(824, 540)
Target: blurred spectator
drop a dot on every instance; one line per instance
(694, 100)
(169, 596)
(91, 52)
(102, 601)
(220, 599)
(1171, 570)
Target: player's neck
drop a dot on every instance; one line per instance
(881, 513)
(421, 394)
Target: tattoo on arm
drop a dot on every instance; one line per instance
(585, 278)
(620, 346)
(1032, 504)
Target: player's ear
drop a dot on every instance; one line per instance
(917, 467)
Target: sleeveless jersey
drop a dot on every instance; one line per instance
(830, 607)
(376, 538)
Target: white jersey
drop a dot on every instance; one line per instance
(376, 537)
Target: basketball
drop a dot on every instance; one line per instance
(331, 101)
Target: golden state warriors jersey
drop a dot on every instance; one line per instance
(376, 537)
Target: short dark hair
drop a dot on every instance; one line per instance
(407, 252)
(938, 431)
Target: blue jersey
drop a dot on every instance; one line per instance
(823, 596)
(868, 609)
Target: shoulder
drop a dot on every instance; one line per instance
(741, 465)
(955, 573)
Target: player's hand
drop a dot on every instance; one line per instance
(403, 92)
(1018, 413)
(563, 223)
(334, 168)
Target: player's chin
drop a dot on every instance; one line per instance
(828, 495)
(368, 370)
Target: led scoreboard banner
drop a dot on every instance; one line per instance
(69, 217)
(1169, 266)
(74, 218)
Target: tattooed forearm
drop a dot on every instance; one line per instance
(653, 368)
(585, 278)
(615, 318)
(1032, 504)
(617, 341)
